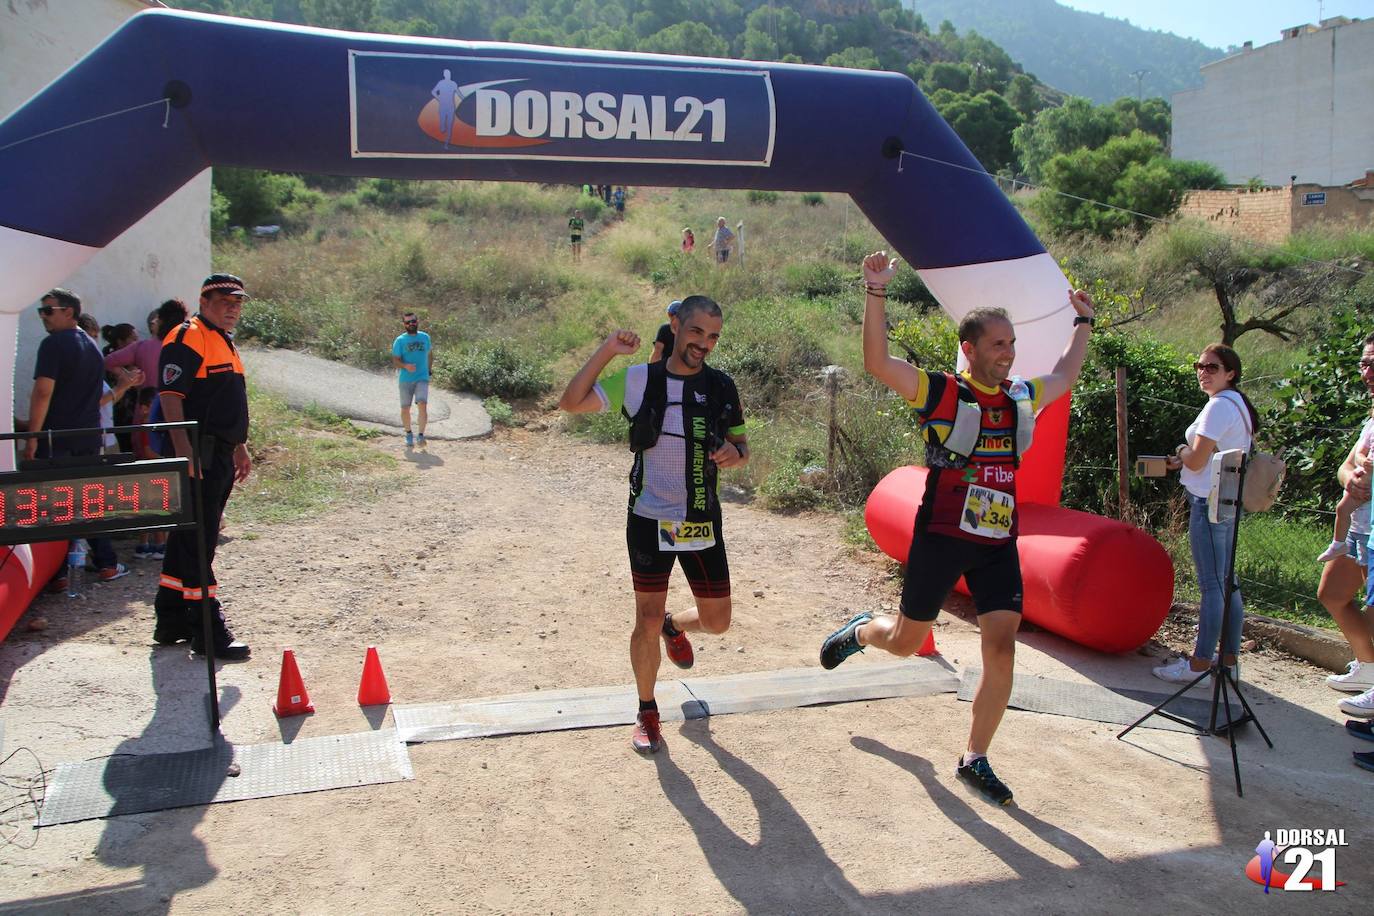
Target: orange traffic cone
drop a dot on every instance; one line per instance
(292, 700)
(928, 647)
(373, 690)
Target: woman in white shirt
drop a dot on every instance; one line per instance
(1228, 421)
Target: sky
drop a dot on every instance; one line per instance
(1223, 23)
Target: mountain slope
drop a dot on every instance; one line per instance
(1085, 54)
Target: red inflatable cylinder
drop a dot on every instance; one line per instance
(24, 571)
(1096, 581)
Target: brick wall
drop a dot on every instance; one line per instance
(1264, 215)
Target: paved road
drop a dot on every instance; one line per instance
(368, 398)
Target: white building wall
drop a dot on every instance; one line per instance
(165, 254)
(1301, 106)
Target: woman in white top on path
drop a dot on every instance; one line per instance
(1228, 421)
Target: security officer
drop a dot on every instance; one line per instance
(201, 378)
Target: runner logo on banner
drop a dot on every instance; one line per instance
(438, 107)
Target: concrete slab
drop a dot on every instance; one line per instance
(368, 397)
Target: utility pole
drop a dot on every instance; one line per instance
(1139, 84)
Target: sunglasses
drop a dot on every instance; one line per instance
(1209, 368)
(47, 310)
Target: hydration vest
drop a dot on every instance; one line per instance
(952, 427)
(647, 423)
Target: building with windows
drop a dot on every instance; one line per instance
(1299, 110)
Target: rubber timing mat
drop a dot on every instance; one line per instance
(1102, 704)
(135, 783)
(558, 710)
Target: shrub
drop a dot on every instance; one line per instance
(605, 427)
(812, 199)
(496, 367)
(768, 352)
(275, 324)
(1161, 398)
(786, 488)
(1321, 405)
(396, 193)
(933, 341)
(762, 197)
(500, 412)
(907, 286)
(814, 279)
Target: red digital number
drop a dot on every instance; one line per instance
(129, 495)
(92, 500)
(166, 491)
(63, 498)
(27, 502)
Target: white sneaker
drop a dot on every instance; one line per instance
(1177, 671)
(1337, 549)
(1362, 706)
(1358, 678)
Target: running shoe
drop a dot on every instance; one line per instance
(1177, 671)
(1358, 678)
(980, 775)
(420, 441)
(111, 573)
(1365, 760)
(410, 439)
(1362, 730)
(679, 648)
(648, 736)
(1361, 706)
(843, 642)
(143, 551)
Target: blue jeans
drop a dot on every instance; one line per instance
(1211, 546)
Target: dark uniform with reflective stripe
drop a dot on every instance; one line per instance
(201, 365)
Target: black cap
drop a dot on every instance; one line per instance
(225, 283)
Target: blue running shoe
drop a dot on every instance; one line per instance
(410, 439)
(843, 642)
(979, 773)
(1362, 730)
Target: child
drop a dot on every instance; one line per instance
(689, 241)
(1346, 508)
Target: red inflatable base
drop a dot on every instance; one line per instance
(1096, 581)
(24, 570)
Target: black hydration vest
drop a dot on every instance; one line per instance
(647, 424)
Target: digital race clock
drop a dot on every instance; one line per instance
(56, 503)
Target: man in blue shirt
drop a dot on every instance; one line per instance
(412, 354)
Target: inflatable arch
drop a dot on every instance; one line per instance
(172, 93)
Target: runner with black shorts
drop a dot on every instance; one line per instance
(976, 426)
(686, 423)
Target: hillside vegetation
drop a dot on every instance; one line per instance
(488, 268)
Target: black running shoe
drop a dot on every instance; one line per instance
(980, 775)
(1362, 730)
(843, 643)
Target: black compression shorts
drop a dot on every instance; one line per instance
(707, 571)
(935, 563)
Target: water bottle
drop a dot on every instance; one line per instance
(76, 567)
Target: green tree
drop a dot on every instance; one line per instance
(1153, 116)
(692, 38)
(944, 75)
(256, 197)
(856, 58)
(1076, 124)
(984, 122)
(1022, 96)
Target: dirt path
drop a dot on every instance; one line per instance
(501, 570)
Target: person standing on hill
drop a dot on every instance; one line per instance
(663, 340)
(722, 241)
(976, 425)
(618, 198)
(686, 423)
(412, 353)
(575, 227)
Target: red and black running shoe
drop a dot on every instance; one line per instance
(648, 736)
(679, 649)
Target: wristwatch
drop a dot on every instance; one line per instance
(1082, 319)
